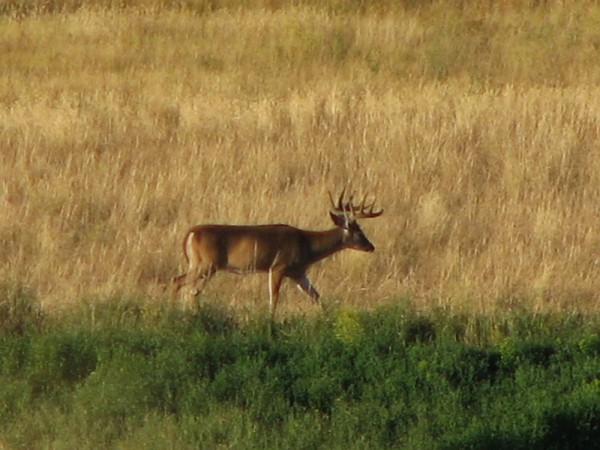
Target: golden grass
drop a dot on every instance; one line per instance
(477, 127)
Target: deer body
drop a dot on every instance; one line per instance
(281, 250)
(248, 249)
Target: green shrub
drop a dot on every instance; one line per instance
(572, 426)
(15, 397)
(419, 329)
(462, 366)
(590, 345)
(516, 352)
(388, 378)
(59, 360)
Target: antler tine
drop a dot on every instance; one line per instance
(349, 207)
(332, 201)
(371, 205)
(363, 211)
(340, 206)
(341, 200)
(362, 204)
(368, 211)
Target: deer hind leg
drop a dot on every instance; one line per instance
(197, 280)
(197, 271)
(177, 283)
(201, 279)
(193, 277)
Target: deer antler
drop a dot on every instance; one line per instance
(364, 211)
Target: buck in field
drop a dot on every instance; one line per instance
(280, 250)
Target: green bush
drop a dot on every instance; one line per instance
(59, 360)
(390, 378)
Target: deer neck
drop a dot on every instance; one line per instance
(325, 243)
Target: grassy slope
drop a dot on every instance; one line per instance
(475, 125)
(125, 375)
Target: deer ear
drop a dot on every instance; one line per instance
(339, 219)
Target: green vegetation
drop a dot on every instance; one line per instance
(133, 376)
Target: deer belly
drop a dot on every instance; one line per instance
(239, 270)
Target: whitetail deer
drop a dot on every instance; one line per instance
(281, 250)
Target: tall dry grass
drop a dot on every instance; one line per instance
(478, 128)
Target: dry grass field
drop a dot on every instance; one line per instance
(477, 127)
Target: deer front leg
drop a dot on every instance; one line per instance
(275, 278)
(306, 286)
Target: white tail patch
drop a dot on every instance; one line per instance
(193, 259)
